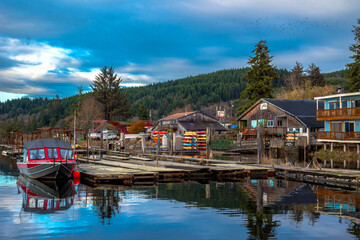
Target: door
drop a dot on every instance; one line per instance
(349, 130)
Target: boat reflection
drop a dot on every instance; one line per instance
(46, 196)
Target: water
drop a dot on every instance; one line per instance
(251, 209)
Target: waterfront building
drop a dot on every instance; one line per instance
(279, 116)
(341, 115)
(190, 122)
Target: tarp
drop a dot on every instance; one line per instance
(47, 143)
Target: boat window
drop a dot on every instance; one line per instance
(66, 154)
(37, 154)
(25, 155)
(52, 153)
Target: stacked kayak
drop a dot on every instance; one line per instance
(154, 138)
(201, 140)
(189, 141)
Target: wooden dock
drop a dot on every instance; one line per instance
(330, 177)
(126, 169)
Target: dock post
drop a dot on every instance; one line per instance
(101, 144)
(331, 147)
(324, 163)
(357, 164)
(260, 143)
(324, 146)
(331, 163)
(122, 141)
(174, 142)
(170, 143)
(357, 148)
(344, 147)
(157, 149)
(143, 144)
(239, 140)
(345, 164)
(208, 142)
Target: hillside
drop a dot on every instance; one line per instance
(192, 93)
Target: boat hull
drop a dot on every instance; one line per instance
(47, 170)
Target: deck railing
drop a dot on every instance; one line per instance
(338, 135)
(342, 113)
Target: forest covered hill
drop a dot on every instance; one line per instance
(192, 92)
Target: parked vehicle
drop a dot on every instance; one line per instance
(107, 134)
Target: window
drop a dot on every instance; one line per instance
(52, 153)
(344, 104)
(253, 123)
(25, 156)
(66, 154)
(37, 154)
(334, 105)
(304, 130)
(279, 123)
(270, 123)
(261, 122)
(349, 126)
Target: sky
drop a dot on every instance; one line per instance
(51, 47)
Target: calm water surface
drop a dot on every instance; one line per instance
(252, 209)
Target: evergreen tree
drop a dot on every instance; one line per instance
(296, 78)
(143, 112)
(260, 77)
(107, 90)
(354, 67)
(316, 78)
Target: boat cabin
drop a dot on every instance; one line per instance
(48, 150)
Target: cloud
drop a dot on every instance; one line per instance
(327, 57)
(304, 8)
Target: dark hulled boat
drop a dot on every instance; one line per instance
(47, 159)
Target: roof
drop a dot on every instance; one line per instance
(303, 110)
(103, 122)
(201, 126)
(338, 95)
(47, 143)
(177, 116)
(302, 195)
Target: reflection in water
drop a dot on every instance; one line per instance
(250, 209)
(46, 196)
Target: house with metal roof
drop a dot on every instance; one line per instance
(189, 122)
(279, 116)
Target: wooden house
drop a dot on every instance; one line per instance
(341, 115)
(189, 122)
(278, 116)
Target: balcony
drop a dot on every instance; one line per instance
(338, 114)
(338, 136)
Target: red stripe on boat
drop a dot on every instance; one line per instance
(27, 165)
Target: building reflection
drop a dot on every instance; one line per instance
(46, 196)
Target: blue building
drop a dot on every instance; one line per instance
(341, 115)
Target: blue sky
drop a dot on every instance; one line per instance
(50, 47)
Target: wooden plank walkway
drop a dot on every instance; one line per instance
(128, 170)
(332, 177)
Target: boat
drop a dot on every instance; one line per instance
(46, 196)
(47, 159)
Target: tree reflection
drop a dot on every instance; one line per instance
(106, 203)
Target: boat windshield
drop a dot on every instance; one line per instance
(37, 154)
(52, 153)
(66, 154)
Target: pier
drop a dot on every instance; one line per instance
(124, 168)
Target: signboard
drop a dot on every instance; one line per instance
(221, 114)
(289, 144)
(263, 106)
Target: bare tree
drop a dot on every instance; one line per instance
(89, 110)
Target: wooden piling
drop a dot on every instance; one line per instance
(208, 142)
(331, 163)
(260, 143)
(143, 144)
